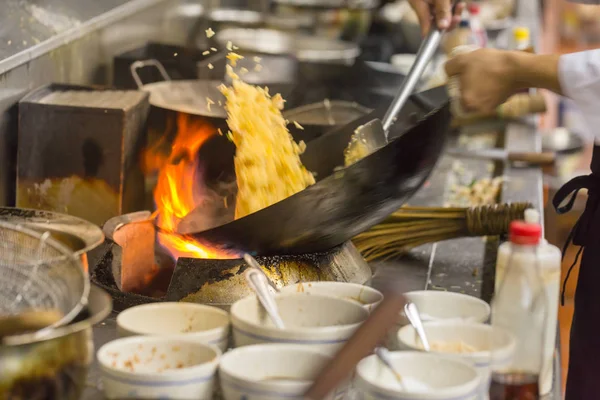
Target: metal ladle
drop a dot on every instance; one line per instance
(412, 313)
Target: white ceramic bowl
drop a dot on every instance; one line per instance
(158, 367)
(482, 337)
(191, 321)
(321, 322)
(424, 376)
(269, 371)
(436, 305)
(368, 297)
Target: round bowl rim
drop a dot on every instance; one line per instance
(105, 364)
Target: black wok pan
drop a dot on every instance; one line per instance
(345, 203)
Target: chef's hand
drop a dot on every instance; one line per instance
(487, 78)
(439, 11)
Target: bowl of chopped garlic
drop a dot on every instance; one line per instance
(469, 341)
(423, 376)
(319, 322)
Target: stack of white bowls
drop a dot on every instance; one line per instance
(174, 350)
(166, 351)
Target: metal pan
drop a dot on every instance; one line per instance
(345, 203)
(189, 96)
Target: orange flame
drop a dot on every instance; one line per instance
(179, 188)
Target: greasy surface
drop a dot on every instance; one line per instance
(221, 282)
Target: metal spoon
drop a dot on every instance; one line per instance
(251, 261)
(412, 313)
(257, 282)
(383, 355)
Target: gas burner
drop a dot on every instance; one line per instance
(125, 272)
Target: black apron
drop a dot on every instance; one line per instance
(583, 381)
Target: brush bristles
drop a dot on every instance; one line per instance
(411, 227)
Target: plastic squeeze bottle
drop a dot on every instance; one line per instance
(521, 39)
(520, 308)
(551, 258)
(479, 32)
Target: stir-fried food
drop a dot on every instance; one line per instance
(267, 160)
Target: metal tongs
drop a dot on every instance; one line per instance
(374, 134)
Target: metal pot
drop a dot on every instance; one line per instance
(219, 19)
(314, 58)
(317, 118)
(333, 19)
(275, 49)
(74, 233)
(56, 367)
(188, 96)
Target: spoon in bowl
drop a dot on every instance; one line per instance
(258, 283)
(383, 354)
(412, 313)
(251, 261)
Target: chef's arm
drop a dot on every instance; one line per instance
(488, 77)
(536, 71)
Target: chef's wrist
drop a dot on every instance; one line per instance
(527, 70)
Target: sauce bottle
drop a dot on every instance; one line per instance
(461, 36)
(479, 32)
(519, 307)
(550, 258)
(521, 39)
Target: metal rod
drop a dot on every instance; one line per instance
(426, 52)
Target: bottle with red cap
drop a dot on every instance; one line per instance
(479, 32)
(520, 307)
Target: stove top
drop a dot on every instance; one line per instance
(221, 282)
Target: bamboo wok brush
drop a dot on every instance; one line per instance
(410, 227)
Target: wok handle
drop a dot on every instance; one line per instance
(533, 158)
(147, 63)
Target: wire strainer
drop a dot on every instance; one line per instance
(38, 273)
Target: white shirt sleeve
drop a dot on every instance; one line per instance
(579, 75)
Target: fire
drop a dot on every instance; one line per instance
(179, 188)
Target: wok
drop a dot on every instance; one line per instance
(347, 202)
